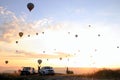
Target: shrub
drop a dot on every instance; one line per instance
(107, 73)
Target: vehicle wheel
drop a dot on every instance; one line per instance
(23, 73)
(43, 73)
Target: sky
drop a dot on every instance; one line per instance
(73, 33)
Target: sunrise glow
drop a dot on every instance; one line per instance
(70, 36)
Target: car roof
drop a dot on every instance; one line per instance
(46, 67)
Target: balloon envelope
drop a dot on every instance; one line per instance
(16, 42)
(28, 35)
(89, 25)
(117, 46)
(20, 34)
(95, 50)
(76, 35)
(42, 32)
(68, 32)
(39, 61)
(6, 62)
(43, 51)
(36, 33)
(30, 6)
(60, 58)
(98, 35)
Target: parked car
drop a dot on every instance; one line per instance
(46, 70)
(27, 71)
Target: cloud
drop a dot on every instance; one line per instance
(11, 25)
(5, 12)
(25, 54)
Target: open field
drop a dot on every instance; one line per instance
(54, 77)
(100, 75)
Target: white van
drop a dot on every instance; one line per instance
(46, 70)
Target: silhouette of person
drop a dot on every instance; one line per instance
(39, 69)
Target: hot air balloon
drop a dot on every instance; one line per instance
(60, 58)
(89, 25)
(16, 50)
(6, 62)
(39, 61)
(95, 50)
(68, 59)
(16, 42)
(36, 33)
(117, 46)
(30, 6)
(98, 35)
(68, 32)
(20, 34)
(43, 51)
(42, 32)
(78, 50)
(76, 35)
(74, 53)
(54, 49)
(28, 35)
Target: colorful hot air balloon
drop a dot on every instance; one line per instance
(30, 6)
(20, 34)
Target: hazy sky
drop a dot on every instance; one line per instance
(95, 22)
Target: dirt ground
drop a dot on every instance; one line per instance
(60, 77)
(50, 77)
